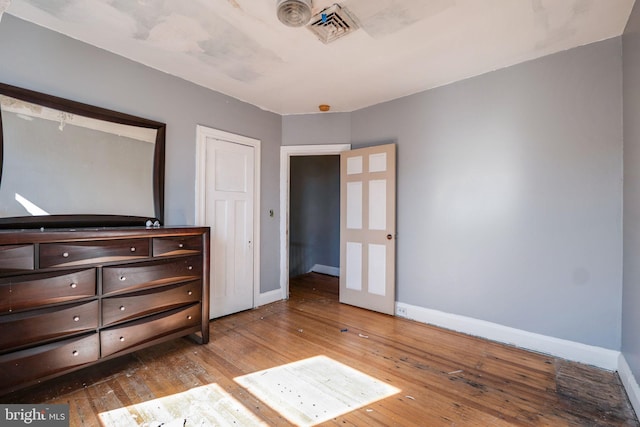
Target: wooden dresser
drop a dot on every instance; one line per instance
(70, 298)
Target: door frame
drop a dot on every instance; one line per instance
(286, 152)
(202, 133)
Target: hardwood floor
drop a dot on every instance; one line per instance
(445, 378)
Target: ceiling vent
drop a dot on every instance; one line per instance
(332, 23)
(294, 13)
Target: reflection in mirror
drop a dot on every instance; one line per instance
(57, 162)
(74, 164)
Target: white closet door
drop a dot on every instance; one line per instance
(229, 213)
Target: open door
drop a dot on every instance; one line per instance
(367, 227)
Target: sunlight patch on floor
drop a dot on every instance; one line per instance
(208, 405)
(314, 390)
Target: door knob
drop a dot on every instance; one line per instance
(389, 237)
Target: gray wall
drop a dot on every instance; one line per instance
(510, 194)
(42, 60)
(325, 128)
(631, 287)
(314, 213)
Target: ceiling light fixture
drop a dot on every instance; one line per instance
(294, 13)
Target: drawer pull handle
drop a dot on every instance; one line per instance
(123, 308)
(190, 293)
(189, 317)
(123, 278)
(75, 353)
(73, 285)
(76, 318)
(121, 339)
(190, 267)
(133, 249)
(181, 245)
(65, 254)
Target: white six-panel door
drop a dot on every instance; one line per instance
(367, 227)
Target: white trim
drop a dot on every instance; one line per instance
(583, 353)
(326, 269)
(630, 383)
(269, 297)
(202, 133)
(285, 158)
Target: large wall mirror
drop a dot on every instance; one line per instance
(69, 164)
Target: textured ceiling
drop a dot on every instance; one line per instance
(238, 47)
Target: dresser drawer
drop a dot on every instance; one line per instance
(186, 245)
(137, 276)
(99, 251)
(138, 304)
(40, 325)
(34, 290)
(120, 338)
(16, 257)
(29, 365)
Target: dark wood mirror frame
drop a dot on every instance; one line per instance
(89, 220)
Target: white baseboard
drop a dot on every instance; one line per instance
(325, 269)
(269, 297)
(630, 383)
(570, 350)
(591, 355)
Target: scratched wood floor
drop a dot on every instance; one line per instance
(445, 378)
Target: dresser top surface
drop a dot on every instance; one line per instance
(42, 235)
